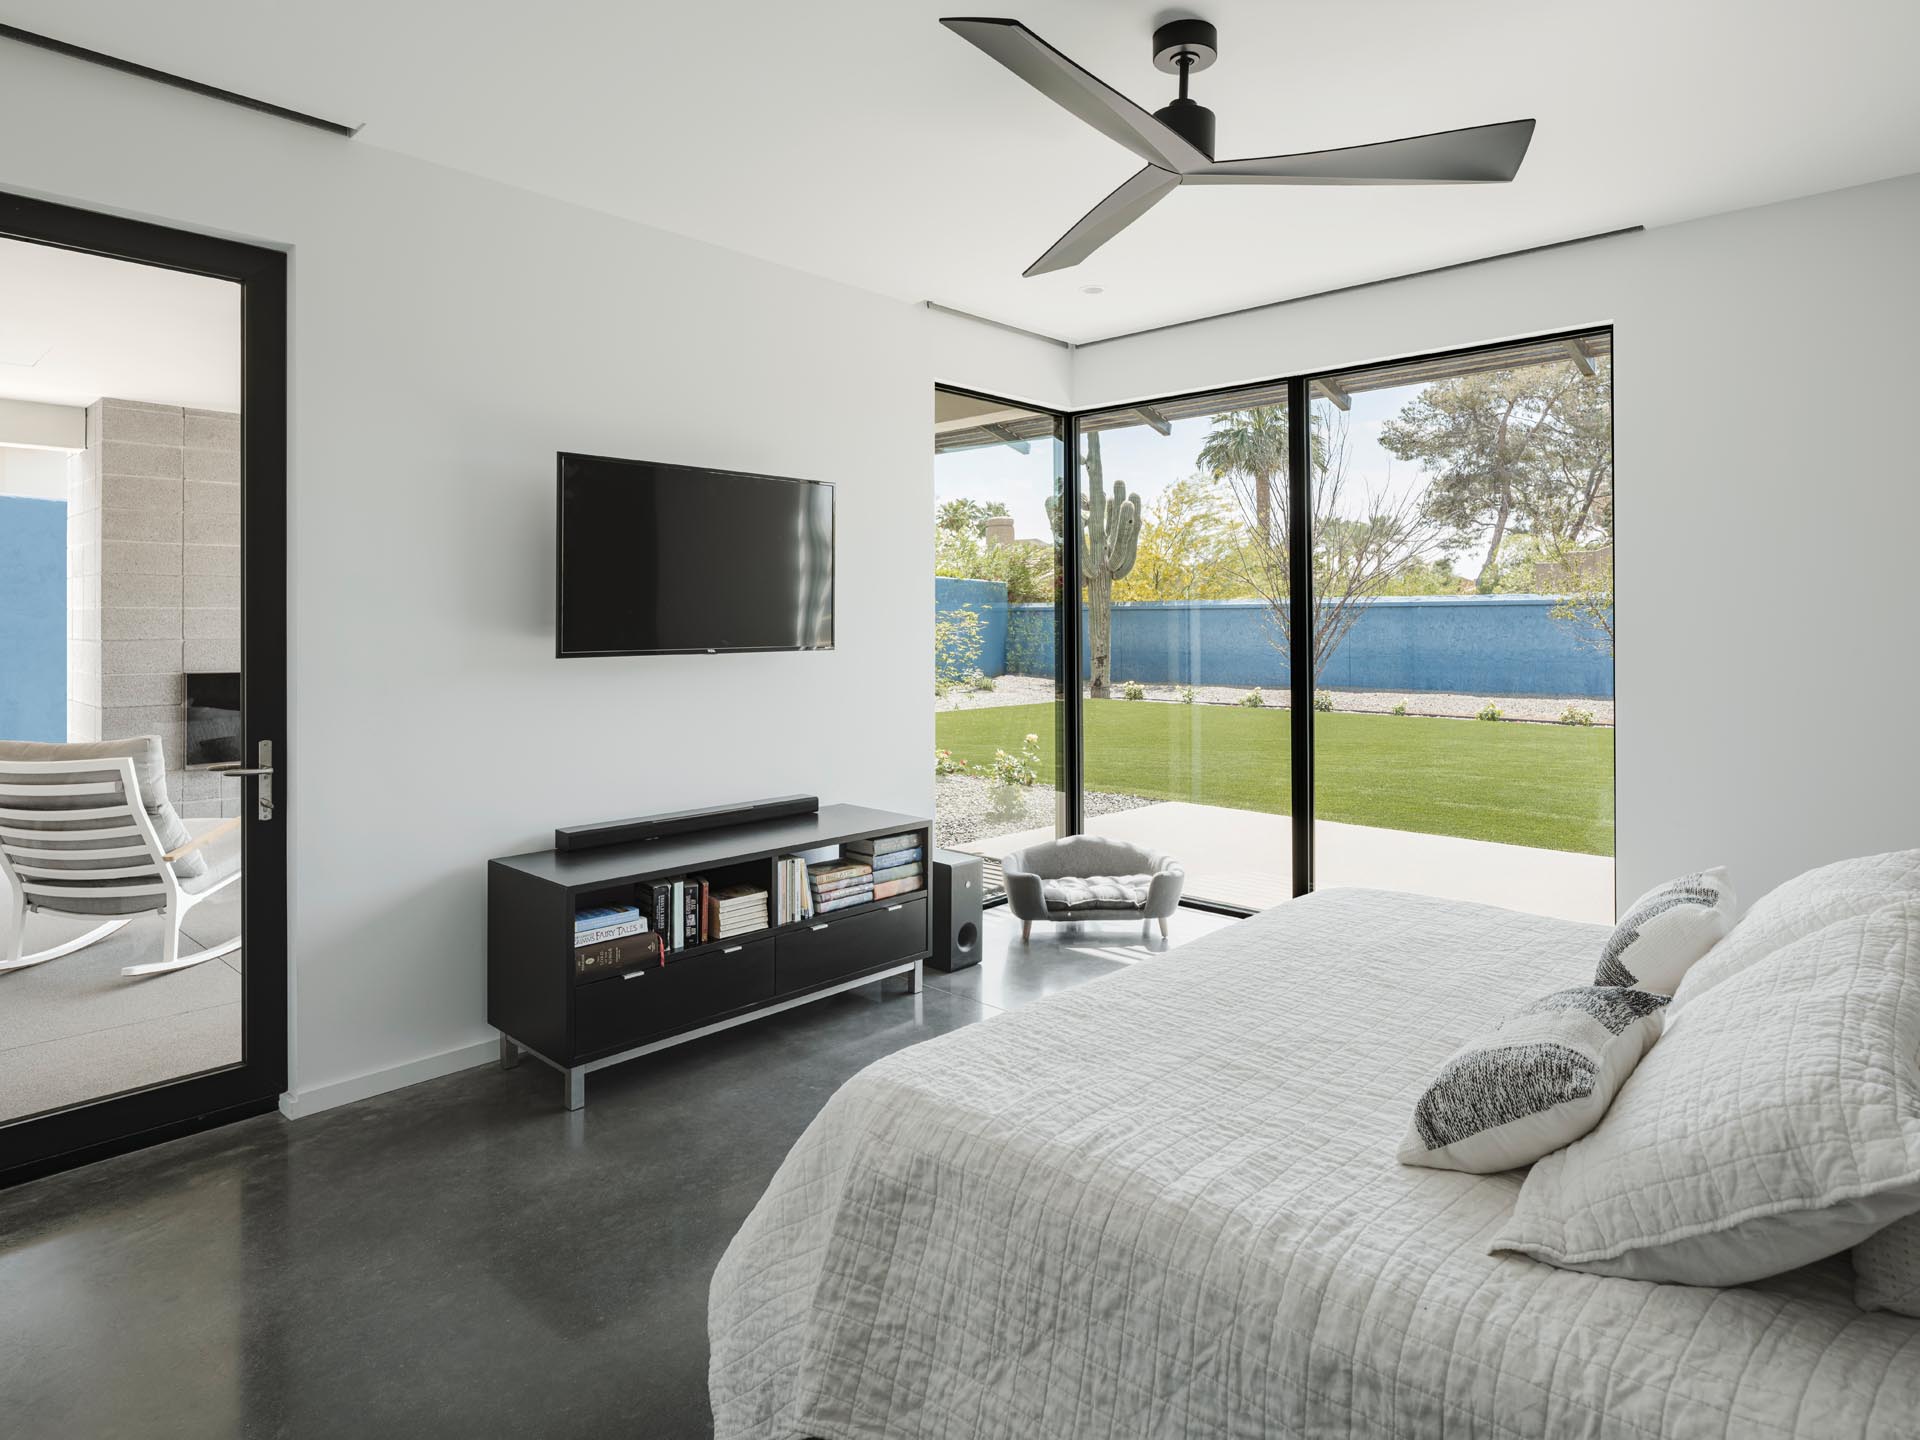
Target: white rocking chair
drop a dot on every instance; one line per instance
(76, 839)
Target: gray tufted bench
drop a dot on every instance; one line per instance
(1089, 877)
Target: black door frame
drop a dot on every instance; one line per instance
(40, 1144)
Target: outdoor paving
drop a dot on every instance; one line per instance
(1245, 858)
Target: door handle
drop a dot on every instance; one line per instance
(821, 926)
(263, 796)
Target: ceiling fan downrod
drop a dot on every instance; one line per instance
(1181, 47)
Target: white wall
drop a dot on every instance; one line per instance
(448, 336)
(1003, 363)
(1768, 508)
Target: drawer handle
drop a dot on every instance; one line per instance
(732, 949)
(634, 975)
(821, 926)
(892, 908)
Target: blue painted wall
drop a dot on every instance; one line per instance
(988, 599)
(1483, 644)
(33, 619)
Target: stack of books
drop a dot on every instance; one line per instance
(613, 937)
(678, 910)
(836, 884)
(792, 900)
(898, 861)
(736, 910)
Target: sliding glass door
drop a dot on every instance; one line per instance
(1462, 533)
(999, 722)
(1183, 577)
(1393, 668)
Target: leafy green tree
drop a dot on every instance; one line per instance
(1189, 547)
(968, 517)
(1527, 450)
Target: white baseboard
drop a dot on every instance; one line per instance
(297, 1105)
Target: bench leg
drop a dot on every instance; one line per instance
(576, 1089)
(1026, 930)
(1163, 927)
(509, 1052)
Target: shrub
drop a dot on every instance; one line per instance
(979, 681)
(1489, 711)
(956, 646)
(1187, 696)
(1399, 708)
(1253, 699)
(1022, 769)
(1323, 701)
(1573, 716)
(1134, 690)
(944, 763)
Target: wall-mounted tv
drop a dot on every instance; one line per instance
(668, 559)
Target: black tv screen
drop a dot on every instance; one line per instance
(667, 559)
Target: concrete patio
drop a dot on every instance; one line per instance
(1245, 858)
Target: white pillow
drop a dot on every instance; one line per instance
(1776, 1122)
(1808, 902)
(1666, 930)
(1886, 1269)
(1539, 1080)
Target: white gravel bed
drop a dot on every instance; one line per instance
(1038, 689)
(964, 810)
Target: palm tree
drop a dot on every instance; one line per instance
(1252, 444)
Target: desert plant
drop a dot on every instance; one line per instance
(1574, 716)
(1323, 701)
(979, 681)
(1109, 544)
(1253, 699)
(1134, 690)
(1399, 708)
(1187, 695)
(1489, 711)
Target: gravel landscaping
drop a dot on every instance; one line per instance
(963, 808)
(1036, 689)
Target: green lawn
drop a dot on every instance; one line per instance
(1548, 786)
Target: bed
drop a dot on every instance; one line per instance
(1166, 1204)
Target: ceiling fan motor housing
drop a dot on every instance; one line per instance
(1184, 47)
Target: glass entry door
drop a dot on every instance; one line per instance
(142, 688)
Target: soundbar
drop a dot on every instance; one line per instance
(679, 822)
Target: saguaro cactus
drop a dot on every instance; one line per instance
(1109, 544)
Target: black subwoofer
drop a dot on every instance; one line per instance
(957, 883)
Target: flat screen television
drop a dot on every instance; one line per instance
(667, 559)
(213, 720)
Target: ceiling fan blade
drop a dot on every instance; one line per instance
(1478, 155)
(1141, 192)
(1074, 89)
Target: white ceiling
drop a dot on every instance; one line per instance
(859, 140)
(75, 327)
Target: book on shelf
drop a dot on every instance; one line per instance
(825, 874)
(600, 917)
(656, 899)
(883, 845)
(737, 910)
(887, 889)
(865, 882)
(609, 932)
(859, 897)
(696, 910)
(642, 949)
(898, 872)
(793, 896)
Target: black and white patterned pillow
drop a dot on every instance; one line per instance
(1539, 1081)
(1666, 930)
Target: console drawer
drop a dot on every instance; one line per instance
(832, 948)
(626, 1010)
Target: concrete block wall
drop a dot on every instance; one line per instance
(154, 579)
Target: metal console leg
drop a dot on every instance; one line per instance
(509, 1052)
(576, 1089)
(917, 979)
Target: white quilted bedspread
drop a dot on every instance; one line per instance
(1166, 1204)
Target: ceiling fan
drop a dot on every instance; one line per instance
(1177, 141)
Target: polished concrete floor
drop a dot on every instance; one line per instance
(462, 1258)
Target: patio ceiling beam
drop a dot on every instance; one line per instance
(1334, 393)
(1578, 352)
(1008, 438)
(1154, 418)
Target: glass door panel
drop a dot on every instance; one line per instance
(1183, 609)
(1463, 637)
(998, 721)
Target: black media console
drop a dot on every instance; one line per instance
(579, 1024)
